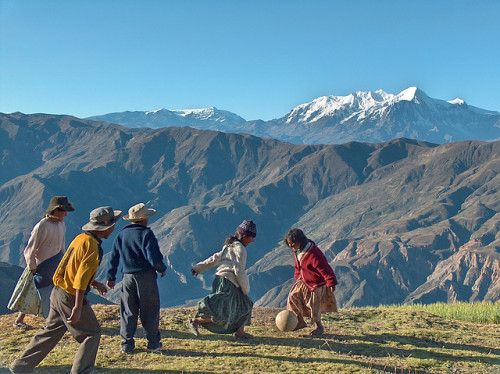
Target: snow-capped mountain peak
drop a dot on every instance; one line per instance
(360, 102)
(408, 95)
(202, 113)
(153, 112)
(378, 116)
(371, 116)
(329, 106)
(457, 101)
(209, 117)
(413, 94)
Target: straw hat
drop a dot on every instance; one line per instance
(139, 212)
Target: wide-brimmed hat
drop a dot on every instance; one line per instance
(139, 212)
(60, 202)
(248, 228)
(102, 218)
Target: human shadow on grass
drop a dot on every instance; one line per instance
(100, 369)
(340, 344)
(272, 341)
(142, 371)
(297, 360)
(415, 341)
(339, 338)
(367, 347)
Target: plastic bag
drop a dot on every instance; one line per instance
(25, 297)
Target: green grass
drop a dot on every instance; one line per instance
(397, 340)
(480, 312)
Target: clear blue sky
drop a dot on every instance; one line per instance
(258, 59)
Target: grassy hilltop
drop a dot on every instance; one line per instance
(366, 340)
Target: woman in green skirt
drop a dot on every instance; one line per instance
(227, 309)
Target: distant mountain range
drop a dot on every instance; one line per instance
(362, 116)
(400, 221)
(203, 119)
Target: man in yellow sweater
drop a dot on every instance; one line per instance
(69, 309)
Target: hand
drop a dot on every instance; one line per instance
(332, 288)
(163, 273)
(75, 315)
(110, 284)
(33, 271)
(101, 288)
(194, 272)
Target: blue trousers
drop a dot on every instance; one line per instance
(140, 299)
(45, 297)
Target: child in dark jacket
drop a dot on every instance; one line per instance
(312, 293)
(138, 248)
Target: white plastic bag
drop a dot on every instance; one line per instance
(25, 297)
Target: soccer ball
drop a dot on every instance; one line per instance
(286, 320)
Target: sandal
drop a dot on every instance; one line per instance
(193, 327)
(21, 326)
(244, 336)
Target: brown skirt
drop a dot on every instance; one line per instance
(307, 303)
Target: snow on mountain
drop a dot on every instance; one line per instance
(457, 101)
(205, 114)
(379, 116)
(371, 116)
(206, 118)
(358, 103)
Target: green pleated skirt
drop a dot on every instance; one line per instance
(227, 306)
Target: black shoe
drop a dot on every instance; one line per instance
(155, 348)
(127, 349)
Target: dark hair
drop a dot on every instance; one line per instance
(296, 236)
(232, 238)
(51, 213)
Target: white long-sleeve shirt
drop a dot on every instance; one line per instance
(47, 239)
(231, 262)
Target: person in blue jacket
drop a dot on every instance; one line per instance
(138, 249)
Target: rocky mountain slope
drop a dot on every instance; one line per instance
(361, 116)
(400, 221)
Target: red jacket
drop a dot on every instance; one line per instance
(314, 269)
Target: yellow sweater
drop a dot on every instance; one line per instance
(78, 267)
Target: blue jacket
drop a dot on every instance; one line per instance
(137, 246)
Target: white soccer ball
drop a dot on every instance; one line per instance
(286, 320)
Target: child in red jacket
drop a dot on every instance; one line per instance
(312, 293)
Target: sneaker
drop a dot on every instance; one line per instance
(193, 327)
(155, 348)
(127, 349)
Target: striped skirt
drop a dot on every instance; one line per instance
(307, 303)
